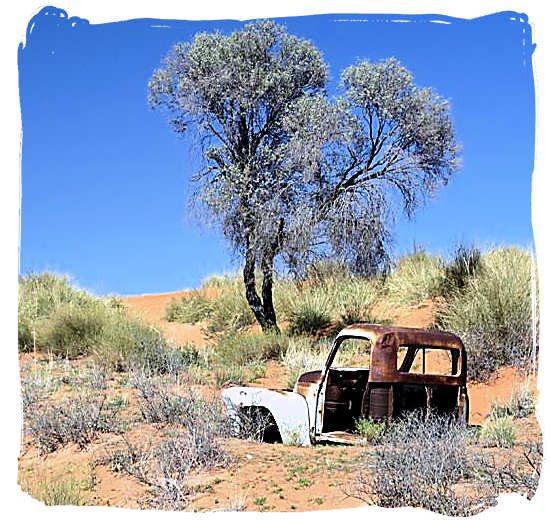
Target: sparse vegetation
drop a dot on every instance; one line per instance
(76, 420)
(190, 430)
(522, 403)
(419, 463)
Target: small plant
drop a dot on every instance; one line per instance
(77, 420)
(59, 491)
(417, 277)
(189, 309)
(369, 429)
(260, 501)
(522, 403)
(310, 315)
(241, 349)
(499, 432)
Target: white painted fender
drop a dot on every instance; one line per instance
(289, 409)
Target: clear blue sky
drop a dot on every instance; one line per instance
(105, 180)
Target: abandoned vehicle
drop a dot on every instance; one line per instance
(392, 370)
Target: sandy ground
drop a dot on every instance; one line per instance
(264, 477)
(499, 388)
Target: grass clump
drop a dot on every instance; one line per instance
(369, 430)
(339, 301)
(465, 264)
(310, 314)
(241, 349)
(58, 491)
(492, 313)
(189, 310)
(499, 432)
(303, 355)
(70, 322)
(417, 277)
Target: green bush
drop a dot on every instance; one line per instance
(189, 309)
(25, 338)
(240, 349)
(369, 429)
(417, 277)
(499, 432)
(74, 330)
(310, 314)
(493, 314)
(70, 322)
(466, 263)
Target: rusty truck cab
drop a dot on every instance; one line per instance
(394, 370)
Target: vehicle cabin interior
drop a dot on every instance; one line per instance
(349, 395)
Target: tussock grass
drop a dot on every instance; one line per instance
(239, 350)
(499, 432)
(416, 277)
(189, 310)
(58, 491)
(492, 312)
(70, 322)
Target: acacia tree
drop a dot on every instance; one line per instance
(289, 173)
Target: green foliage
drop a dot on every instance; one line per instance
(417, 277)
(310, 314)
(336, 301)
(241, 349)
(57, 491)
(466, 263)
(70, 322)
(230, 310)
(499, 432)
(492, 313)
(369, 429)
(189, 309)
(74, 330)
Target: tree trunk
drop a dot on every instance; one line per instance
(263, 308)
(267, 294)
(249, 277)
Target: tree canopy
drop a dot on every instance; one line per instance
(290, 173)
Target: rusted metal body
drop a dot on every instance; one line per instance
(325, 403)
